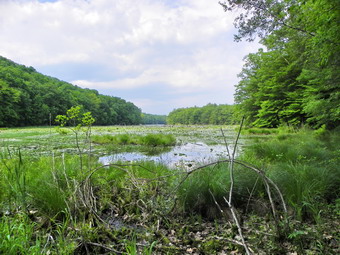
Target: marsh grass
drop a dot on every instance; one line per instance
(198, 193)
(260, 131)
(151, 140)
(17, 236)
(305, 168)
(44, 208)
(138, 189)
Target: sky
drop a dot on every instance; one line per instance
(158, 54)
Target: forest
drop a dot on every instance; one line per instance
(149, 119)
(210, 114)
(295, 79)
(29, 98)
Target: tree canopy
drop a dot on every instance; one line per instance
(29, 98)
(209, 114)
(153, 119)
(296, 80)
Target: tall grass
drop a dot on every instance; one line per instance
(305, 167)
(45, 184)
(135, 188)
(44, 208)
(198, 193)
(17, 236)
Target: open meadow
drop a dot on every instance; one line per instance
(116, 190)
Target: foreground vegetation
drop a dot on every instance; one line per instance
(61, 203)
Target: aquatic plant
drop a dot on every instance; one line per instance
(151, 140)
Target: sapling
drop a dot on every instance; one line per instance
(78, 122)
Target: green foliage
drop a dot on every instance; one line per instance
(296, 81)
(17, 236)
(153, 119)
(158, 140)
(209, 114)
(304, 167)
(137, 208)
(29, 98)
(75, 118)
(15, 176)
(198, 191)
(260, 131)
(35, 183)
(132, 249)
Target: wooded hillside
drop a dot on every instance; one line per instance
(28, 98)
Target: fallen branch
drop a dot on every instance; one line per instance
(105, 247)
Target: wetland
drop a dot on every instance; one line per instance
(162, 190)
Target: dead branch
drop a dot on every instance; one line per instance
(105, 247)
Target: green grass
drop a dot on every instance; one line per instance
(45, 197)
(304, 166)
(151, 140)
(44, 184)
(17, 236)
(198, 191)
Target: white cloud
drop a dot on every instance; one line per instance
(184, 45)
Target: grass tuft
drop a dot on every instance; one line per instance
(151, 140)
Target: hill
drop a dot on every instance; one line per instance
(29, 98)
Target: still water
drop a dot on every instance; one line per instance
(188, 155)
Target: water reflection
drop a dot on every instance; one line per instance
(189, 155)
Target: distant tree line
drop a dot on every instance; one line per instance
(153, 119)
(209, 114)
(296, 80)
(28, 98)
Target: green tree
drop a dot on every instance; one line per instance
(209, 114)
(297, 80)
(30, 98)
(9, 97)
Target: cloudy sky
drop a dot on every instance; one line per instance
(158, 54)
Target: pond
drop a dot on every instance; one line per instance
(188, 155)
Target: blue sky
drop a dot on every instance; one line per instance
(158, 54)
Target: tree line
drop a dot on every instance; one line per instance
(295, 80)
(153, 119)
(28, 98)
(210, 114)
